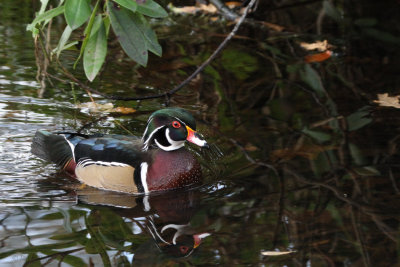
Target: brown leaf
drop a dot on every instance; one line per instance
(95, 107)
(384, 100)
(123, 110)
(318, 57)
(320, 46)
(193, 9)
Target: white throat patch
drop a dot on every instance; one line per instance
(174, 144)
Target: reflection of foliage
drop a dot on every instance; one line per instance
(239, 63)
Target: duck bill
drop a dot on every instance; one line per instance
(193, 137)
(198, 239)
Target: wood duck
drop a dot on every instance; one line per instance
(157, 161)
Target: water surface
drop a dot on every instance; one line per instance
(302, 160)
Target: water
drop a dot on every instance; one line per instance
(302, 160)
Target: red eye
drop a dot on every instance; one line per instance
(176, 124)
(183, 249)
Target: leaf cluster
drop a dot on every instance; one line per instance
(127, 18)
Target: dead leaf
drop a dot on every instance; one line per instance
(95, 107)
(384, 100)
(123, 110)
(276, 253)
(272, 26)
(233, 4)
(320, 46)
(184, 10)
(318, 57)
(250, 147)
(210, 8)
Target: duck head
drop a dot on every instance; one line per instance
(170, 128)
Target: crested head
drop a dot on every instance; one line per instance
(169, 128)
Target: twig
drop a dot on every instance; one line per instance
(183, 83)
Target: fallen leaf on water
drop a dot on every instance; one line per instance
(95, 107)
(210, 8)
(107, 107)
(384, 100)
(318, 57)
(319, 45)
(123, 110)
(276, 253)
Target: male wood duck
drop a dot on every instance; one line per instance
(158, 161)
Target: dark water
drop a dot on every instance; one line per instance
(303, 160)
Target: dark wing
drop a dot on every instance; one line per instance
(105, 149)
(110, 164)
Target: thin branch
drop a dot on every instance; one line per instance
(182, 84)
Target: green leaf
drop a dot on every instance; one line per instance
(87, 32)
(32, 260)
(128, 33)
(49, 14)
(152, 9)
(149, 35)
(312, 78)
(76, 12)
(74, 261)
(96, 49)
(317, 135)
(129, 4)
(359, 119)
(63, 40)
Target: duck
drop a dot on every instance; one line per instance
(156, 162)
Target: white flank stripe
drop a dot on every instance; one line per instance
(143, 176)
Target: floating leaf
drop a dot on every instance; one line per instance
(123, 110)
(95, 50)
(128, 33)
(129, 4)
(76, 12)
(384, 100)
(96, 107)
(210, 8)
(152, 9)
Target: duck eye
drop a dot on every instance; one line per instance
(176, 124)
(183, 249)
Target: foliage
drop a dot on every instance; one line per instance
(126, 18)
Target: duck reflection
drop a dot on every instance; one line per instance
(166, 217)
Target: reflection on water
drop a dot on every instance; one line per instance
(302, 160)
(152, 230)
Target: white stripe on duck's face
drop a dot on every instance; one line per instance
(167, 137)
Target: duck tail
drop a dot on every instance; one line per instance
(53, 147)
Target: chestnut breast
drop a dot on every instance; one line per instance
(172, 169)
